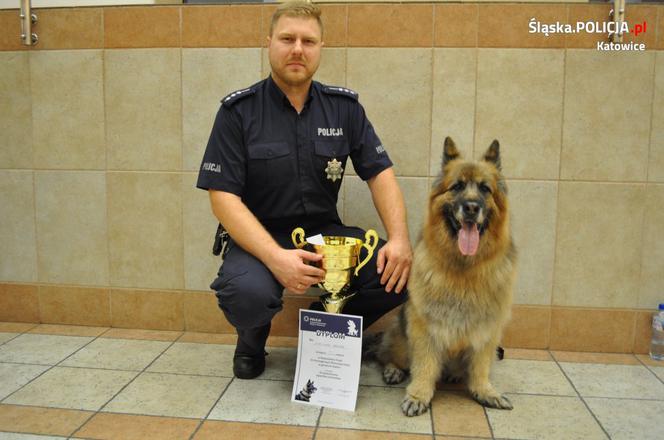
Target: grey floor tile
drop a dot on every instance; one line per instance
(73, 388)
(263, 401)
(14, 376)
(530, 377)
(280, 363)
(378, 409)
(173, 395)
(372, 374)
(629, 419)
(117, 354)
(659, 371)
(4, 337)
(620, 381)
(545, 418)
(41, 349)
(191, 358)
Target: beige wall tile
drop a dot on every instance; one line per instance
(360, 210)
(660, 28)
(656, 158)
(335, 21)
(610, 331)
(143, 110)
(528, 328)
(70, 28)
(596, 358)
(200, 226)
(605, 133)
(71, 227)
(455, 25)
(519, 103)
(643, 331)
(598, 249)
(652, 253)
(144, 309)
(19, 303)
(506, 25)
(75, 305)
(221, 26)
(18, 258)
(533, 216)
(390, 25)
(453, 114)
(399, 103)
(11, 30)
(68, 330)
(67, 120)
(332, 69)
(145, 230)
(15, 111)
(147, 335)
(140, 26)
(207, 76)
(202, 314)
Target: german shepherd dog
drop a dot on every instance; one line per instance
(305, 394)
(460, 287)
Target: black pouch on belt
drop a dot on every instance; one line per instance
(220, 241)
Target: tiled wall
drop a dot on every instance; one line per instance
(103, 125)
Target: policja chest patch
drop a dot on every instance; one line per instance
(334, 169)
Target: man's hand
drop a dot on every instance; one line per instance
(393, 262)
(290, 268)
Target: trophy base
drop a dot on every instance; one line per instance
(335, 303)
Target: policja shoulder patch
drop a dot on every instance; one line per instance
(231, 99)
(334, 90)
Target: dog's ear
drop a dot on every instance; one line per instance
(493, 154)
(450, 151)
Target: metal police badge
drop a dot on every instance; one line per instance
(334, 169)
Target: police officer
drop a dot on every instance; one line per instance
(275, 161)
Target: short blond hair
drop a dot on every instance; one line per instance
(297, 8)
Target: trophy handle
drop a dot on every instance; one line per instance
(370, 242)
(298, 238)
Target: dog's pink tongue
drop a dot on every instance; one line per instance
(469, 239)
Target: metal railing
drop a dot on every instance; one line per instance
(28, 38)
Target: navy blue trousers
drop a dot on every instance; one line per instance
(250, 296)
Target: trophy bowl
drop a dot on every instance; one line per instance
(341, 262)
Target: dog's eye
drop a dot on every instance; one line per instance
(485, 188)
(459, 186)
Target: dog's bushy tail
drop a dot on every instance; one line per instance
(370, 344)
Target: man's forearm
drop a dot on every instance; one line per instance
(389, 203)
(242, 225)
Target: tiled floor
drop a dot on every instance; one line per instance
(61, 382)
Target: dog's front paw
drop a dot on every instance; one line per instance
(496, 400)
(413, 407)
(393, 375)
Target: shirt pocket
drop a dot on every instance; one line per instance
(270, 164)
(327, 150)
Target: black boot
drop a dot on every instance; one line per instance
(249, 359)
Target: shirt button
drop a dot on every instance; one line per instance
(269, 153)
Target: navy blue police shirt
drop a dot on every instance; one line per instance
(275, 159)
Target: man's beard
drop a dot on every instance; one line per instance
(293, 80)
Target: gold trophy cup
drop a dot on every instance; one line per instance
(341, 257)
